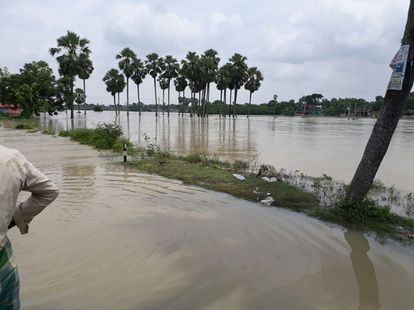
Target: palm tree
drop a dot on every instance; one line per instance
(79, 97)
(152, 64)
(180, 86)
(86, 69)
(115, 83)
(210, 61)
(127, 57)
(138, 77)
(164, 84)
(253, 83)
(191, 70)
(238, 73)
(170, 71)
(68, 53)
(222, 83)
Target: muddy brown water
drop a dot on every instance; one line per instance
(315, 146)
(119, 239)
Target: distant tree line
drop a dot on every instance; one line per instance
(36, 89)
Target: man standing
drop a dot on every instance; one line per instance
(18, 174)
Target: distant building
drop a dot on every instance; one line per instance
(10, 109)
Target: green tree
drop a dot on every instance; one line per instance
(164, 85)
(180, 86)
(115, 83)
(127, 59)
(238, 74)
(253, 83)
(138, 77)
(170, 71)
(153, 66)
(79, 97)
(68, 53)
(210, 62)
(392, 110)
(85, 70)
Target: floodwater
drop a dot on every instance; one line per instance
(315, 146)
(118, 239)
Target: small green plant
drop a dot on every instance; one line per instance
(24, 126)
(241, 165)
(364, 211)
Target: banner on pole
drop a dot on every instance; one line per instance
(398, 65)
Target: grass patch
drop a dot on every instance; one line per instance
(24, 126)
(104, 137)
(368, 216)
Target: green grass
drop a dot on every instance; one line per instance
(104, 137)
(24, 126)
(218, 176)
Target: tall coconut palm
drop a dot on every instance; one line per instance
(152, 64)
(115, 84)
(127, 58)
(68, 52)
(253, 83)
(238, 73)
(138, 77)
(164, 84)
(191, 70)
(85, 71)
(180, 86)
(170, 71)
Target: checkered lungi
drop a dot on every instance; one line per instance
(9, 278)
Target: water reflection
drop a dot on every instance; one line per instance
(364, 271)
(311, 145)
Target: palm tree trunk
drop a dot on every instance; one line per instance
(221, 101)
(84, 96)
(116, 112)
(250, 103)
(387, 121)
(191, 101)
(182, 111)
(208, 97)
(274, 109)
(225, 101)
(127, 96)
(71, 101)
(119, 103)
(156, 104)
(203, 112)
(168, 107)
(230, 103)
(139, 101)
(163, 101)
(199, 104)
(235, 103)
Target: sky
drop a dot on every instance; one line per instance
(339, 48)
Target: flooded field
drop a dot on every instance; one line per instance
(118, 239)
(315, 146)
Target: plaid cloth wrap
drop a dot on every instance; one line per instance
(9, 278)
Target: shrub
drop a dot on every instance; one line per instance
(118, 146)
(241, 165)
(24, 126)
(362, 212)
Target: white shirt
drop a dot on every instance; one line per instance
(18, 174)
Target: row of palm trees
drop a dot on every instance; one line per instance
(197, 72)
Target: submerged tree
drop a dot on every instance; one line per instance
(392, 110)
(85, 70)
(180, 86)
(170, 70)
(238, 75)
(253, 84)
(68, 52)
(153, 66)
(138, 77)
(127, 58)
(115, 83)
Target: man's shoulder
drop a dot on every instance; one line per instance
(12, 160)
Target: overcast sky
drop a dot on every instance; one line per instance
(340, 48)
